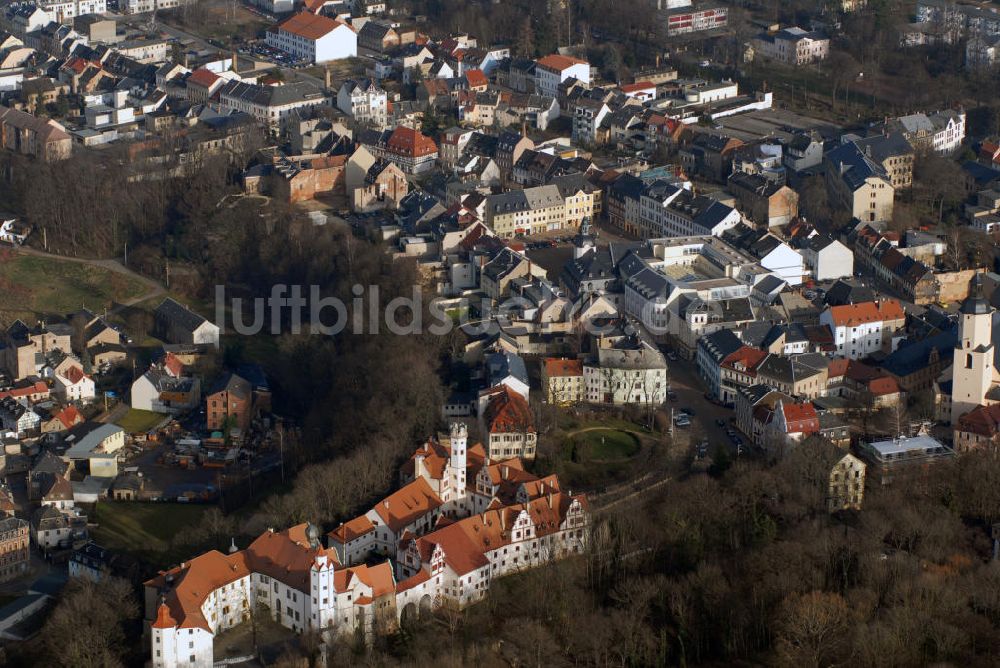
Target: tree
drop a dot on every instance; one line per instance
(525, 44)
(89, 622)
(813, 629)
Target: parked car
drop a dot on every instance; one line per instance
(682, 421)
(671, 395)
(719, 422)
(688, 411)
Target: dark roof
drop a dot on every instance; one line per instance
(233, 384)
(845, 292)
(178, 315)
(720, 344)
(912, 357)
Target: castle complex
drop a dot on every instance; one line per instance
(458, 521)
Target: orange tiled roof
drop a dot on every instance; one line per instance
(351, 529)
(637, 86)
(507, 411)
(852, 315)
(203, 77)
(405, 505)
(558, 63)
(476, 78)
(409, 142)
(557, 366)
(311, 26)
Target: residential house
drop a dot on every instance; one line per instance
(378, 36)
(508, 425)
(229, 404)
(270, 105)
(710, 155)
(860, 330)
(411, 151)
(803, 152)
(314, 38)
(713, 350)
(44, 139)
(826, 258)
(70, 383)
(942, 132)
(176, 323)
(628, 370)
(162, 391)
(894, 153)
(527, 211)
(384, 188)
(553, 70)
(365, 102)
(562, 381)
(792, 46)
(15, 554)
(858, 184)
(764, 201)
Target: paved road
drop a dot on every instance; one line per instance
(684, 380)
(115, 265)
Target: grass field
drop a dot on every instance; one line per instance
(143, 529)
(138, 421)
(608, 444)
(32, 285)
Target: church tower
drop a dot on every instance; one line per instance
(583, 242)
(973, 371)
(457, 463)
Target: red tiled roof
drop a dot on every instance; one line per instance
(507, 411)
(558, 63)
(798, 412)
(409, 142)
(69, 416)
(749, 358)
(637, 86)
(852, 315)
(311, 26)
(837, 367)
(556, 366)
(883, 385)
(407, 504)
(203, 77)
(476, 78)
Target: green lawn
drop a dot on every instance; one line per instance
(136, 421)
(32, 285)
(142, 529)
(608, 444)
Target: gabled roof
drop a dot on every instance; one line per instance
(508, 412)
(407, 504)
(557, 367)
(311, 26)
(559, 63)
(179, 315)
(852, 315)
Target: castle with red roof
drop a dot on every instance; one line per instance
(459, 520)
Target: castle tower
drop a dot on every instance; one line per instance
(458, 461)
(321, 580)
(973, 372)
(163, 637)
